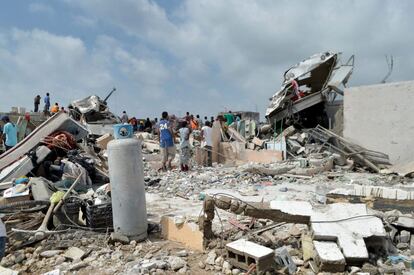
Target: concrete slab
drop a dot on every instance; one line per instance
(329, 257)
(346, 223)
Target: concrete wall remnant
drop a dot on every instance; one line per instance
(379, 117)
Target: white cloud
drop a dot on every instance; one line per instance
(242, 48)
(40, 8)
(203, 55)
(38, 62)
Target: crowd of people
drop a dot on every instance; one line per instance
(47, 108)
(170, 127)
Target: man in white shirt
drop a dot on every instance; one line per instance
(207, 144)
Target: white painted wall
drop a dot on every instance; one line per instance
(381, 117)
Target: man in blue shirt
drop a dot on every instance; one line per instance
(166, 135)
(47, 103)
(10, 132)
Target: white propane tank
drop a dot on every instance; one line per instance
(126, 174)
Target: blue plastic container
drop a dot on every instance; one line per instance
(122, 131)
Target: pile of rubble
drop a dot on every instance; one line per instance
(302, 201)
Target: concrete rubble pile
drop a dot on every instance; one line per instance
(289, 196)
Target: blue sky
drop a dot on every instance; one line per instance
(201, 56)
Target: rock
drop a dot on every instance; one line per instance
(147, 266)
(38, 250)
(226, 268)
(74, 253)
(211, 257)
(183, 270)
(78, 266)
(133, 242)
(176, 263)
(405, 236)
(129, 258)
(201, 265)
(182, 253)
(59, 260)
(19, 257)
(50, 253)
(219, 261)
(354, 270)
(403, 246)
(117, 237)
(148, 256)
(116, 255)
(235, 271)
(369, 268)
(161, 264)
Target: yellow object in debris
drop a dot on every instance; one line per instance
(56, 197)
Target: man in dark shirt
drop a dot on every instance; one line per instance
(36, 103)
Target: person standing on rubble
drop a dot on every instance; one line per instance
(124, 117)
(148, 125)
(134, 122)
(193, 123)
(207, 143)
(229, 118)
(47, 103)
(185, 149)
(9, 133)
(199, 121)
(36, 103)
(167, 146)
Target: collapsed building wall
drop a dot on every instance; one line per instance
(379, 117)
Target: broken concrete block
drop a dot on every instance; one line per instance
(405, 236)
(187, 233)
(307, 247)
(74, 253)
(294, 145)
(250, 146)
(258, 142)
(8, 271)
(284, 259)
(302, 137)
(103, 141)
(329, 257)
(242, 254)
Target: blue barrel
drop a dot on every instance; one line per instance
(122, 131)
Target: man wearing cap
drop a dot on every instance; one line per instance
(9, 132)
